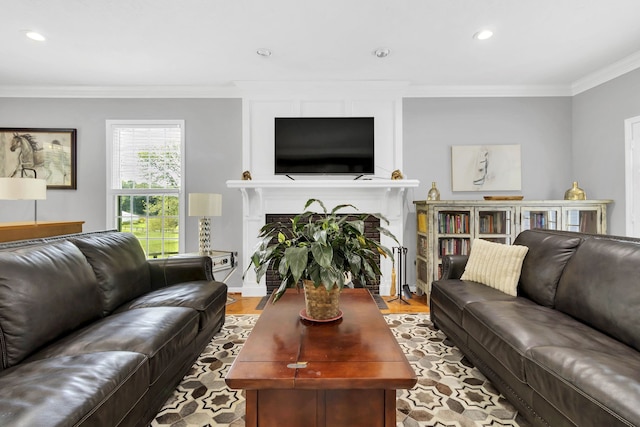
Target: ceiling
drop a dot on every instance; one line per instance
(211, 44)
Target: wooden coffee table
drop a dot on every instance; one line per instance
(341, 373)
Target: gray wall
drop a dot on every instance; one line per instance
(598, 141)
(213, 131)
(562, 139)
(542, 127)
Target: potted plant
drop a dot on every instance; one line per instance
(322, 251)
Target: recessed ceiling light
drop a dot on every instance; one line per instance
(483, 35)
(33, 35)
(383, 52)
(264, 52)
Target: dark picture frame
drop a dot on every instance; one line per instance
(46, 153)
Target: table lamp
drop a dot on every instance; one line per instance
(205, 205)
(24, 189)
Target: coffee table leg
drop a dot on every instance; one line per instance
(389, 408)
(251, 414)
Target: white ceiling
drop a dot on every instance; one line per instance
(553, 45)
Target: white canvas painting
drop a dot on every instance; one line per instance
(486, 168)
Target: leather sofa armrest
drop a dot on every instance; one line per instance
(169, 271)
(453, 266)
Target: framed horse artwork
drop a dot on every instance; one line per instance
(48, 154)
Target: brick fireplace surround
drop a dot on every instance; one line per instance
(371, 225)
(263, 197)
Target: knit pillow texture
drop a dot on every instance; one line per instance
(496, 265)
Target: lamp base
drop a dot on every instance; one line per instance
(204, 235)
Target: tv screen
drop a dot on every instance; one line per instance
(324, 145)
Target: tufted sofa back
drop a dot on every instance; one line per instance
(116, 259)
(601, 287)
(546, 259)
(46, 291)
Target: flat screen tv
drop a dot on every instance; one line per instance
(324, 145)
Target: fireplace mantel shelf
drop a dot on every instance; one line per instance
(325, 183)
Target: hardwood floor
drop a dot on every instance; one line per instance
(417, 304)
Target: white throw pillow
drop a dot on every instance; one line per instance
(496, 265)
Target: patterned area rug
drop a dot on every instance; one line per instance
(450, 391)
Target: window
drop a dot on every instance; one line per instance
(145, 171)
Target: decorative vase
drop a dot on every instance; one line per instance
(575, 193)
(434, 193)
(321, 304)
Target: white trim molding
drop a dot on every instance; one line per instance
(607, 73)
(119, 92)
(417, 91)
(632, 172)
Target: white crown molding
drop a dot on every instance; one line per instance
(330, 89)
(607, 73)
(485, 91)
(326, 89)
(119, 92)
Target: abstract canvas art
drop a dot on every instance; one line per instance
(486, 168)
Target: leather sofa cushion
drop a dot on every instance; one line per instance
(598, 387)
(599, 286)
(45, 292)
(453, 295)
(119, 264)
(204, 296)
(510, 329)
(160, 333)
(542, 267)
(94, 390)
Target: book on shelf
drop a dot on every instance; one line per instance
(423, 243)
(491, 223)
(453, 223)
(422, 222)
(454, 247)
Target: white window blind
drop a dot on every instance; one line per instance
(147, 157)
(145, 169)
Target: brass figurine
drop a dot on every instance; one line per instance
(246, 176)
(396, 174)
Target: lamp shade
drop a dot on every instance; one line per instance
(205, 204)
(23, 189)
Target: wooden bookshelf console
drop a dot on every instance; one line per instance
(11, 231)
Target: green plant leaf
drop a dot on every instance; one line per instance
(314, 274)
(283, 267)
(322, 254)
(340, 207)
(328, 278)
(320, 236)
(281, 289)
(388, 234)
(358, 225)
(297, 259)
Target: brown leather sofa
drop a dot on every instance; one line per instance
(94, 334)
(566, 350)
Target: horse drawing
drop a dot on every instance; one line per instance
(31, 158)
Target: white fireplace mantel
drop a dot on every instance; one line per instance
(262, 197)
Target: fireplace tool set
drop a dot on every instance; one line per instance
(404, 292)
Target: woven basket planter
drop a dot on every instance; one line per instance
(321, 304)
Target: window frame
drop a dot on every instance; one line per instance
(113, 193)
